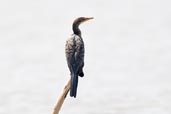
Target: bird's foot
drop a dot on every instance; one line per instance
(81, 74)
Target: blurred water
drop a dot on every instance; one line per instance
(127, 63)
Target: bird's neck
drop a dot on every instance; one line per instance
(76, 30)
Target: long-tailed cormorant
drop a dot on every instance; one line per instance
(74, 50)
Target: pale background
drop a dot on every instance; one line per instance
(127, 62)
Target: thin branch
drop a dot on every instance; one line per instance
(62, 97)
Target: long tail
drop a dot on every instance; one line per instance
(74, 83)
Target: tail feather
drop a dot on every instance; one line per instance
(74, 83)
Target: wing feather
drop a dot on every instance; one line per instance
(74, 50)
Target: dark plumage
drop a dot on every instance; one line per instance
(74, 50)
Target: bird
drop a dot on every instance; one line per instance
(74, 51)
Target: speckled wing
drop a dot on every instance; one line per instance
(74, 50)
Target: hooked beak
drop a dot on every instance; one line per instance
(88, 18)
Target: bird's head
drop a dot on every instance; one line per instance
(80, 20)
(77, 22)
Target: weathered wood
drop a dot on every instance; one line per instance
(62, 97)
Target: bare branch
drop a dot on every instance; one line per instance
(62, 97)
